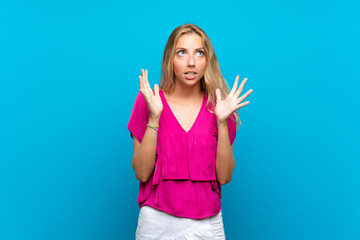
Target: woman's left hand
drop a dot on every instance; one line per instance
(232, 102)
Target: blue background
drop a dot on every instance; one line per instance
(68, 79)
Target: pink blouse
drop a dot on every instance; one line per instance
(184, 181)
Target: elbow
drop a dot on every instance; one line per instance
(138, 174)
(225, 177)
(224, 181)
(141, 175)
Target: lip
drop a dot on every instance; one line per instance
(190, 77)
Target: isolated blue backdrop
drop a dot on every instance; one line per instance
(69, 76)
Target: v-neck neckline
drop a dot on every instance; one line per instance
(166, 104)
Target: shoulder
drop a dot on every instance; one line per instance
(140, 106)
(139, 99)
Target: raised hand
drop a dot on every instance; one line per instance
(153, 101)
(225, 107)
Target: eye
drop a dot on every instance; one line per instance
(181, 53)
(200, 53)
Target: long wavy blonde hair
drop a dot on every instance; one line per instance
(212, 78)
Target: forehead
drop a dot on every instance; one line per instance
(189, 40)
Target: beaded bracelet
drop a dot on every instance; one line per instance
(153, 127)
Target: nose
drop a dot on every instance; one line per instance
(191, 60)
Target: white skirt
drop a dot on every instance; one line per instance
(159, 225)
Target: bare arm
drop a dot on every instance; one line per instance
(225, 162)
(143, 160)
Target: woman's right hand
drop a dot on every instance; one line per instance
(153, 101)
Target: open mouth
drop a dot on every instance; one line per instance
(190, 75)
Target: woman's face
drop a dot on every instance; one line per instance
(189, 60)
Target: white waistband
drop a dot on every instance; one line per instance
(157, 224)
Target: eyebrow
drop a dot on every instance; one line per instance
(181, 48)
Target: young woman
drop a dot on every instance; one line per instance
(183, 133)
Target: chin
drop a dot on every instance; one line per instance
(192, 84)
(189, 83)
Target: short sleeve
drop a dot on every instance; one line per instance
(139, 118)
(232, 128)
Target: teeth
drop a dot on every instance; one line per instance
(190, 73)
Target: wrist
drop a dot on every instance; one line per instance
(223, 122)
(154, 121)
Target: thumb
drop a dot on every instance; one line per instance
(156, 88)
(218, 95)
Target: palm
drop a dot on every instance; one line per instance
(225, 107)
(151, 97)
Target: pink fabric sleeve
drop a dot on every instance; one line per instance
(232, 128)
(139, 118)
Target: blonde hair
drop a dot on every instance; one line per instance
(212, 78)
